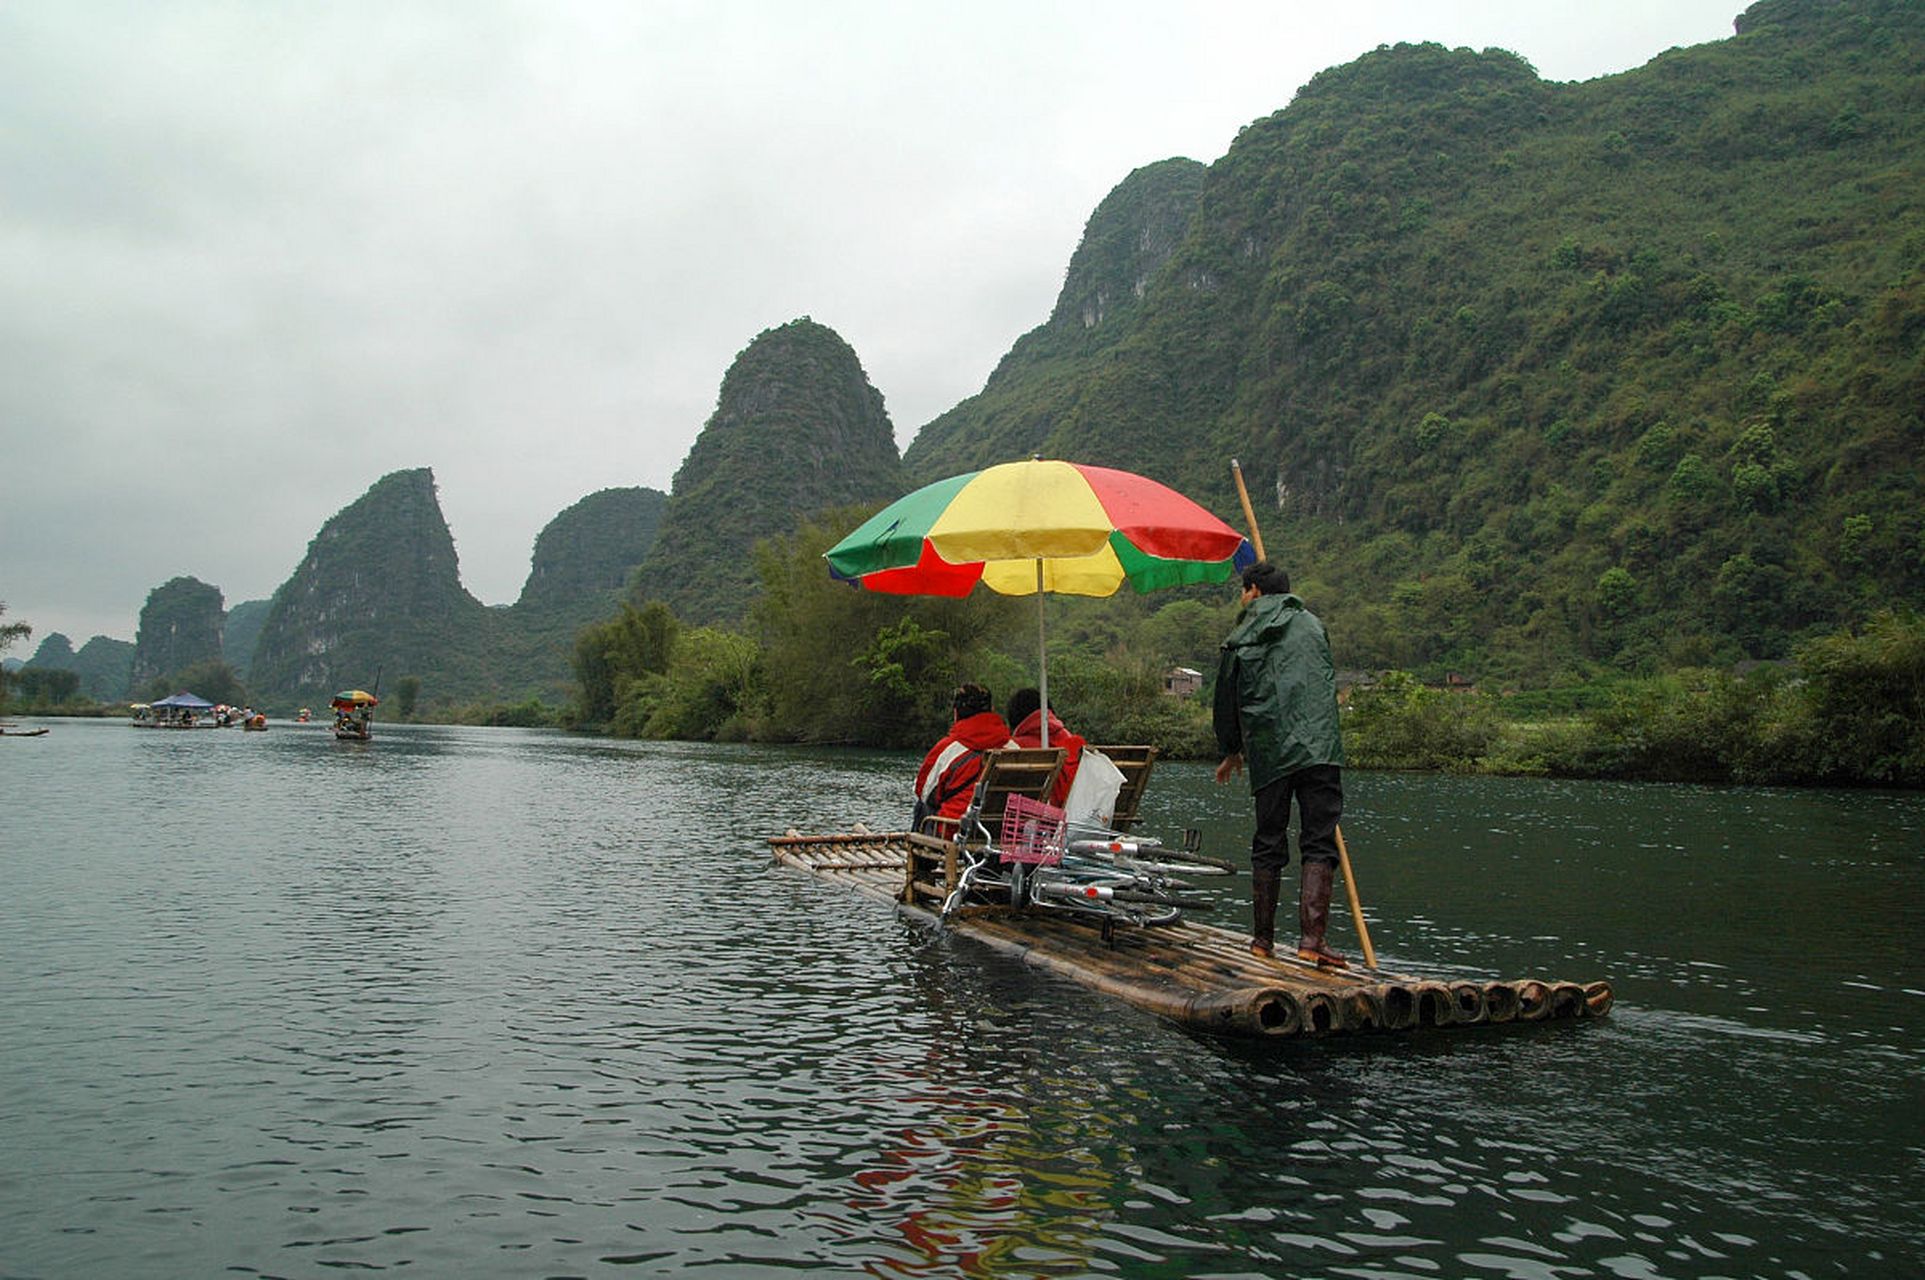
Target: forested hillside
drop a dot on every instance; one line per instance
(241, 632)
(584, 556)
(379, 591)
(103, 668)
(796, 428)
(1533, 377)
(180, 627)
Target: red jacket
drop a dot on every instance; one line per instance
(949, 772)
(1030, 734)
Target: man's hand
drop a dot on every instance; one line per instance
(1230, 766)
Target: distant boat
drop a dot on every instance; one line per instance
(15, 731)
(180, 711)
(354, 715)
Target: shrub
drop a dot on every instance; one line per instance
(1402, 724)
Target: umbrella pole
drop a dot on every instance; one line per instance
(1042, 654)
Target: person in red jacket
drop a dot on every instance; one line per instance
(1026, 729)
(950, 770)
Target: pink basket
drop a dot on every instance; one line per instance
(1032, 832)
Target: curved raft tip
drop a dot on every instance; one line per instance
(1598, 999)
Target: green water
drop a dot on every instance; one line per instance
(493, 1002)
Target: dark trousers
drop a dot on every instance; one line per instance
(1318, 793)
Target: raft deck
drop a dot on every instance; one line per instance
(1195, 974)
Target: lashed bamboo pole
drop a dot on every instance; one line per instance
(1196, 975)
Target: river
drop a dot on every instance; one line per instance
(488, 1002)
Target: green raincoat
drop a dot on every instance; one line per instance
(1276, 691)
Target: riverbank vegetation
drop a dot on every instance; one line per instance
(1848, 711)
(819, 662)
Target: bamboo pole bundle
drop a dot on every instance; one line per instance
(1197, 975)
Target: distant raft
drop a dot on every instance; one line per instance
(1200, 976)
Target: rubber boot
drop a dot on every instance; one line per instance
(1263, 909)
(1313, 914)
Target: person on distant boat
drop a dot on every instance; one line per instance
(949, 772)
(1026, 730)
(1276, 704)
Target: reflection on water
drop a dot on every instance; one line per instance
(499, 1002)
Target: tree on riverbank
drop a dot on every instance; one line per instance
(9, 632)
(1849, 711)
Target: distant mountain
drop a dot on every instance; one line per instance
(1126, 242)
(584, 556)
(1529, 376)
(1529, 379)
(582, 561)
(379, 592)
(180, 627)
(105, 667)
(241, 632)
(55, 651)
(796, 428)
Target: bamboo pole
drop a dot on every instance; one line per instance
(1356, 907)
(1249, 516)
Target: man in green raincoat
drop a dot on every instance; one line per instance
(1276, 716)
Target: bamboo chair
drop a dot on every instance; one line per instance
(935, 851)
(1135, 764)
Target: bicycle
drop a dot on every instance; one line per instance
(1039, 862)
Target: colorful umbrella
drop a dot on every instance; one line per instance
(1036, 526)
(355, 698)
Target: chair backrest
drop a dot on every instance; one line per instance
(1007, 771)
(1135, 764)
(1016, 771)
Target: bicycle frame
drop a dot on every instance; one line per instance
(1101, 874)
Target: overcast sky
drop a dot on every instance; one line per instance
(256, 255)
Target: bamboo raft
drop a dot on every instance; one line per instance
(1197, 975)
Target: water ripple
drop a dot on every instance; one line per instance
(501, 1002)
